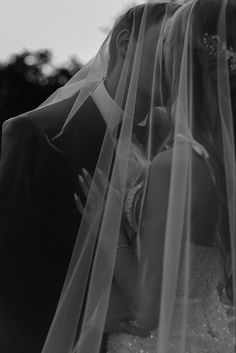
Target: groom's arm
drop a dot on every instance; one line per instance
(23, 199)
(17, 157)
(18, 231)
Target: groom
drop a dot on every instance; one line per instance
(38, 178)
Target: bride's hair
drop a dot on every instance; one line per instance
(203, 43)
(131, 21)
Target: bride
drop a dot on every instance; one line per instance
(163, 233)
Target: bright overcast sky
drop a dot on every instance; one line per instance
(67, 27)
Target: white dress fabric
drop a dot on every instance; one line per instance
(207, 321)
(208, 324)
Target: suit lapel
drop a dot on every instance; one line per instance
(82, 138)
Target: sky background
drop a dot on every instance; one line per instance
(67, 27)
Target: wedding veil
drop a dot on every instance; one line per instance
(194, 79)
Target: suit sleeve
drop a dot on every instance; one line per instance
(16, 203)
(23, 149)
(38, 223)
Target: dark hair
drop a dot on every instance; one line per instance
(206, 20)
(207, 120)
(131, 20)
(203, 18)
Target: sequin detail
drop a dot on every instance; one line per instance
(207, 324)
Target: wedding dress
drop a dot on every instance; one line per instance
(207, 322)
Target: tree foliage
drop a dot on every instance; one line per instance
(27, 79)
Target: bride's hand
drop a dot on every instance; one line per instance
(99, 187)
(99, 190)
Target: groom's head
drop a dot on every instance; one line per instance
(128, 26)
(141, 25)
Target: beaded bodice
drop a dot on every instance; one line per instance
(207, 322)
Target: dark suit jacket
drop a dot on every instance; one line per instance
(38, 217)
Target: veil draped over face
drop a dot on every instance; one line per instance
(191, 90)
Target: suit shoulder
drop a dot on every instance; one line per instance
(22, 132)
(21, 126)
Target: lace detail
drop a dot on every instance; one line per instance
(207, 323)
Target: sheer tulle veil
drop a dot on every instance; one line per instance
(194, 78)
